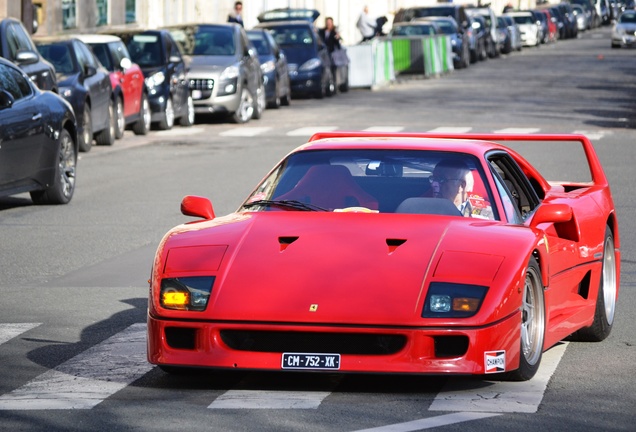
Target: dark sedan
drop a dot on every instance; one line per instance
(161, 62)
(85, 83)
(273, 66)
(459, 39)
(16, 46)
(38, 134)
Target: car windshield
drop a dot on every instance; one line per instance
(437, 11)
(145, 50)
(523, 19)
(205, 40)
(60, 56)
(384, 181)
(447, 27)
(628, 17)
(413, 30)
(292, 35)
(259, 42)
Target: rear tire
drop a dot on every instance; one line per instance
(606, 299)
(532, 325)
(61, 191)
(107, 136)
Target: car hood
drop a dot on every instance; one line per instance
(67, 80)
(209, 63)
(626, 27)
(357, 268)
(298, 54)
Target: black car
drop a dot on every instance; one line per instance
(17, 47)
(483, 36)
(459, 40)
(273, 66)
(38, 134)
(85, 84)
(309, 62)
(164, 69)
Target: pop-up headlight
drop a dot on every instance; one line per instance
(186, 293)
(450, 300)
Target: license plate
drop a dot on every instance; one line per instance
(197, 94)
(310, 361)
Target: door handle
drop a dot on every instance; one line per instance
(37, 116)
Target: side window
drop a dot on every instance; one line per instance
(518, 189)
(86, 54)
(173, 48)
(14, 82)
(510, 209)
(23, 39)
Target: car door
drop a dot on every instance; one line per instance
(177, 75)
(131, 78)
(281, 61)
(250, 62)
(22, 133)
(97, 84)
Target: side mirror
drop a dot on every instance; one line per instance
(551, 213)
(26, 57)
(6, 99)
(125, 63)
(90, 71)
(197, 206)
(174, 59)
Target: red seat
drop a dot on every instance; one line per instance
(331, 187)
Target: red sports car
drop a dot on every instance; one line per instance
(398, 253)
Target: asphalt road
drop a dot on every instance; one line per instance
(73, 279)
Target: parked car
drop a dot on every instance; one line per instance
(17, 46)
(542, 23)
(624, 30)
(515, 34)
(38, 133)
(459, 40)
(553, 28)
(85, 84)
(309, 62)
(415, 28)
(411, 282)
(593, 19)
(129, 91)
(581, 17)
(528, 27)
(478, 24)
(571, 29)
(164, 69)
(273, 66)
(223, 70)
(493, 47)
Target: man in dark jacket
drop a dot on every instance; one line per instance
(235, 17)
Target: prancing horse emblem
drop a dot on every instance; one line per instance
(313, 308)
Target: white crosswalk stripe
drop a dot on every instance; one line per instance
(593, 135)
(310, 130)
(245, 132)
(269, 399)
(451, 129)
(180, 131)
(517, 131)
(9, 331)
(88, 378)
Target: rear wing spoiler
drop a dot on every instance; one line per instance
(596, 169)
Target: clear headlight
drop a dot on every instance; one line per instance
(268, 66)
(311, 64)
(66, 92)
(155, 80)
(230, 73)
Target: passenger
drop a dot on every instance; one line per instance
(453, 180)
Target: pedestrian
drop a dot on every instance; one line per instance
(366, 25)
(330, 35)
(235, 16)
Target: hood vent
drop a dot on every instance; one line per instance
(286, 241)
(393, 244)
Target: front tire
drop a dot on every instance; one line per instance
(245, 109)
(142, 126)
(86, 138)
(532, 325)
(167, 122)
(606, 299)
(120, 120)
(259, 102)
(188, 119)
(61, 191)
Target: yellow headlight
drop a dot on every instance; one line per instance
(175, 300)
(464, 304)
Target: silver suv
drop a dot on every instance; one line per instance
(223, 70)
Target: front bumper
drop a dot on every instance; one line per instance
(304, 82)
(252, 346)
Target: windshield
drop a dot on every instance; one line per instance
(628, 17)
(292, 35)
(385, 181)
(259, 42)
(60, 56)
(438, 11)
(413, 30)
(447, 27)
(145, 50)
(523, 19)
(205, 40)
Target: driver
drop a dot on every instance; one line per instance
(453, 180)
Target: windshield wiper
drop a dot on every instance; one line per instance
(292, 204)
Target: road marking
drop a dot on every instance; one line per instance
(384, 129)
(310, 130)
(88, 378)
(245, 131)
(517, 131)
(9, 331)
(451, 129)
(499, 397)
(180, 131)
(431, 422)
(593, 135)
(271, 399)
